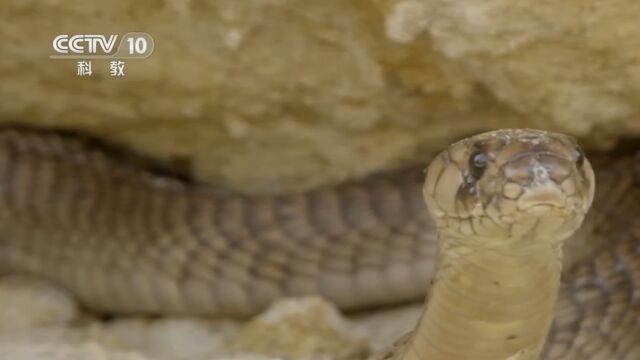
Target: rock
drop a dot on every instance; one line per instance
(303, 328)
(333, 89)
(384, 327)
(170, 338)
(248, 357)
(89, 351)
(39, 321)
(27, 304)
(569, 65)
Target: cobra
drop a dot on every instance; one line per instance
(125, 238)
(503, 203)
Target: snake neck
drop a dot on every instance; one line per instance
(488, 303)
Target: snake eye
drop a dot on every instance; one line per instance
(477, 164)
(579, 156)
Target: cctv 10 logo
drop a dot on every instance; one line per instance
(133, 45)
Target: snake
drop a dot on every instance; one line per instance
(124, 236)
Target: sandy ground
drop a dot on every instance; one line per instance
(39, 321)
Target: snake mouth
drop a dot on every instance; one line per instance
(541, 209)
(542, 200)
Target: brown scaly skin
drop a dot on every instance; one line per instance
(503, 203)
(126, 240)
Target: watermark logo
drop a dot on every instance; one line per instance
(81, 44)
(133, 45)
(86, 47)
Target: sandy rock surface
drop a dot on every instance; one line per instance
(301, 328)
(40, 321)
(333, 89)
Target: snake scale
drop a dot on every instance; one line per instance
(126, 239)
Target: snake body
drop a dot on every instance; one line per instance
(124, 239)
(503, 202)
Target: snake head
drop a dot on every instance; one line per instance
(509, 182)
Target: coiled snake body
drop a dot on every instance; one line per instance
(127, 240)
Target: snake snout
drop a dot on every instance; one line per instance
(539, 176)
(541, 199)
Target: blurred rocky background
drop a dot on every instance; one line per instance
(278, 95)
(270, 96)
